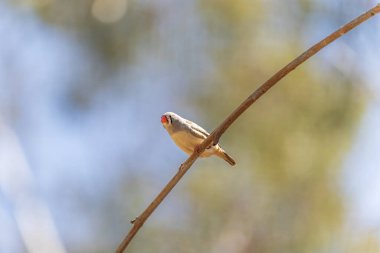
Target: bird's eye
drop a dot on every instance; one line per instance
(170, 119)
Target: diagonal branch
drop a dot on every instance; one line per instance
(218, 132)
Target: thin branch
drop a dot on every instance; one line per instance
(218, 132)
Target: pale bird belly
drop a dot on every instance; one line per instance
(187, 142)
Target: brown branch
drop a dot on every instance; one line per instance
(217, 133)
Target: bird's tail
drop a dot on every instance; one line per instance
(226, 157)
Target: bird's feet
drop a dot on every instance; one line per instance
(197, 149)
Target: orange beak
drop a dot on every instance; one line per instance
(164, 119)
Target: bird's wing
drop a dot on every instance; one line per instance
(197, 130)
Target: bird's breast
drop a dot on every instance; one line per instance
(186, 141)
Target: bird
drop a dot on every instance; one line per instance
(187, 136)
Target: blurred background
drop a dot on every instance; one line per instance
(82, 151)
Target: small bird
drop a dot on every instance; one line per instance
(187, 135)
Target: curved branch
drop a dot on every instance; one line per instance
(218, 132)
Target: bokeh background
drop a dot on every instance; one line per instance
(82, 151)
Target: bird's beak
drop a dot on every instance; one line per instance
(164, 120)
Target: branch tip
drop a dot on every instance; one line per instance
(134, 220)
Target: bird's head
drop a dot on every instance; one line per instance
(168, 119)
